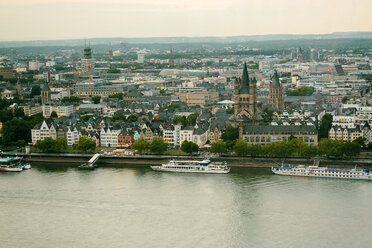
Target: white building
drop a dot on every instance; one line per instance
(72, 135)
(40, 132)
(109, 138)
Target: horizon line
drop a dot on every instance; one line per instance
(186, 36)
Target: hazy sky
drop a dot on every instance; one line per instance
(68, 19)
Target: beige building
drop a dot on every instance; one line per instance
(200, 98)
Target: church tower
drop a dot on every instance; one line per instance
(245, 98)
(45, 94)
(276, 100)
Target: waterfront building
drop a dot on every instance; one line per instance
(43, 130)
(267, 134)
(73, 134)
(125, 138)
(344, 133)
(109, 137)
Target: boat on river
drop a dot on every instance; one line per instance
(193, 166)
(11, 164)
(317, 171)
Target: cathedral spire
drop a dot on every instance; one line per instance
(244, 85)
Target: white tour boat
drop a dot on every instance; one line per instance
(193, 166)
(316, 171)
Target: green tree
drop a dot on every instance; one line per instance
(230, 111)
(15, 130)
(86, 144)
(241, 147)
(218, 147)
(53, 114)
(49, 145)
(325, 126)
(303, 91)
(96, 99)
(18, 112)
(158, 146)
(117, 95)
(140, 145)
(230, 134)
(113, 70)
(132, 118)
(35, 91)
(180, 119)
(267, 114)
(189, 147)
(71, 99)
(344, 99)
(191, 119)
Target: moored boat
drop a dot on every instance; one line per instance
(86, 166)
(317, 171)
(193, 166)
(11, 164)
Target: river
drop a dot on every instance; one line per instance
(60, 206)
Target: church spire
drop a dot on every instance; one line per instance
(244, 85)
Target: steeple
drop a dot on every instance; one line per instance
(275, 81)
(244, 85)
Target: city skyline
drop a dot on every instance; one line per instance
(57, 19)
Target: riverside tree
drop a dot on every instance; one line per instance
(140, 145)
(158, 146)
(218, 147)
(85, 144)
(189, 147)
(51, 145)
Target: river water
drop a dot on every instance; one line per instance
(60, 206)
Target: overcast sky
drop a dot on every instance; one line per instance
(69, 19)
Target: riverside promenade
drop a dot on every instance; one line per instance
(146, 160)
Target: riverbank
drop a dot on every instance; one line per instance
(146, 160)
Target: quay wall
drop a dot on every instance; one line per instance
(146, 160)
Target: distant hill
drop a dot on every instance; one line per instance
(210, 39)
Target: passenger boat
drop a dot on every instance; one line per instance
(11, 164)
(316, 171)
(193, 166)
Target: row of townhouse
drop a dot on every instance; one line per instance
(338, 132)
(105, 136)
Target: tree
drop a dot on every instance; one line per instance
(229, 136)
(344, 99)
(303, 91)
(113, 70)
(267, 115)
(218, 147)
(180, 119)
(240, 147)
(15, 130)
(117, 95)
(325, 126)
(51, 145)
(132, 118)
(189, 147)
(230, 111)
(158, 146)
(191, 119)
(361, 141)
(18, 112)
(96, 99)
(86, 144)
(53, 114)
(71, 99)
(162, 91)
(140, 145)
(35, 91)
